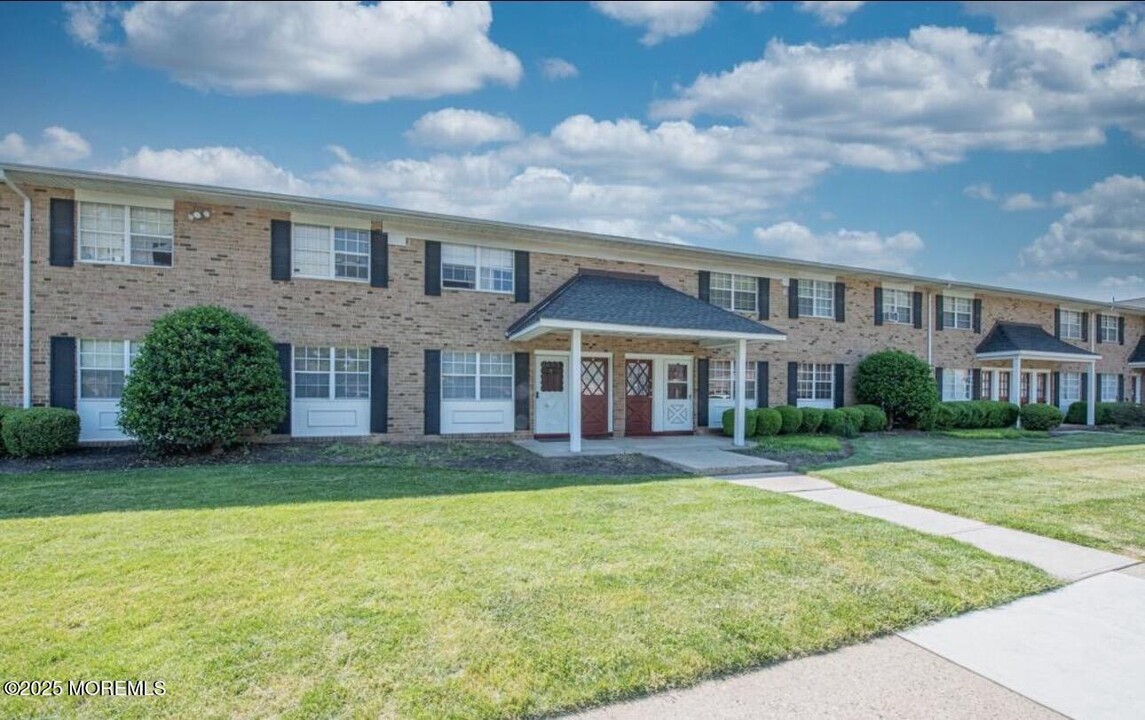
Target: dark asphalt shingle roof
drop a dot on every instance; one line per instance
(1138, 355)
(635, 300)
(1013, 336)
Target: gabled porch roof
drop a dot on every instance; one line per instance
(1009, 340)
(629, 304)
(1137, 359)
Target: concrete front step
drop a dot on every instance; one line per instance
(705, 461)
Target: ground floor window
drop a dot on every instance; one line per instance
(1070, 390)
(816, 381)
(1108, 388)
(103, 367)
(722, 382)
(957, 384)
(332, 373)
(1004, 385)
(476, 376)
(987, 388)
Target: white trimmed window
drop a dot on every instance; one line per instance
(816, 381)
(1070, 323)
(322, 251)
(1107, 392)
(816, 298)
(734, 292)
(1107, 327)
(103, 367)
(332, 373)
(898, 307)
(957, 313)
(1070, 389)
(957, 384)
(126, 235)
(722, 384)
(476, 376)
(468, 267)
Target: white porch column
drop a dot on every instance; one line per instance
(574, 392)
(1016, 381)
(741, 382)
(1091, 393)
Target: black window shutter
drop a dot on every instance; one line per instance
(916, 309)
(379, 390)
(63, 372)
(792, 383)
(840, 388)
(1057, 323)
(763, 297)
(938, 312)
(977, 305)
(432, 408)
(1085, 327)
(1085, 387)
(280, 260)
(878, 306)
(521, 277)
(761, 382)
(432, 269)
(1097, 337)
(1121, 388)
(1121, 330)
(521, 389)
(938, 381)
(285, 367)
(705, 290)
(976, 384)
(840, 302)
(1097, 390)
(379, 259)
(62, 218)
(1057, 388)
(702, 369)
(793, 298)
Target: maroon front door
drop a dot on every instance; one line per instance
(594, 397)
(638, 397)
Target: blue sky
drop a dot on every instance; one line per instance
(987, 142)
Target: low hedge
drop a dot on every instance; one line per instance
(768, 421)
(971, 415)
(792, 419)
(1076, 414)
(728, 420)
(812, 419)
(1127, 414)
(1039, 416)
(839, 422)
(4, 410)
(874, 419)
(40, 431)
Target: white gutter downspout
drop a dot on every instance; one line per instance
(27, 348)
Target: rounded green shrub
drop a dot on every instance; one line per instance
(812, 419)
(1076, 414)
(37, 432)
(856, 416)
(1039, 416)
(874, 419)
(898, 382)
(728, 419)
(768, 421)
(792, 419)
(838, 422)
(1126, 414)
(940, 417)
(205, 378)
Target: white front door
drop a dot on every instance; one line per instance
(552, 380)
(675, 380)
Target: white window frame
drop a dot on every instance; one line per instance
(1069, 323)
(1110, 323)
(957, 385)
(809, 376)
(895, 302)
(721, 373)
(951, 306)
(1070, 380)
(126, 236)
(481, 363)
(1107, 380)
(737, 288)
(331, 251)
(128, 350)
(817, 292)
(481, 263)
(332, 372)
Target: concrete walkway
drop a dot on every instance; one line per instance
(694, 454)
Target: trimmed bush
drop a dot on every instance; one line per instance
(1039, 416)
(1076, 413)
(874, 419)
(792, 419)
(899, 383)
(205, 378)
(940, 417)
(856, 416)
(812, 419)
(838, 422)
(1125, 414)
(768, 421)
(728, 420)
(37, 432)
(4, 410)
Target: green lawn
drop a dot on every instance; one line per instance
(364, 591)
(808, 443)
(1083, 488)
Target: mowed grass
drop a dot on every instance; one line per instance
(1084, 488)
(371, 592)
(802, 442)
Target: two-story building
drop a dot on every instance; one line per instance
(409, 324)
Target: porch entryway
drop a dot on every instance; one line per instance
(695, 454)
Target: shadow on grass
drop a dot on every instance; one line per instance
(231, 486)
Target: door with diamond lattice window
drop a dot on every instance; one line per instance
(638, 397)
(594, 396)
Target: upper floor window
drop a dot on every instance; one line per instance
(1108, 328)
(477, 268)
(332, 373)
(897, 307)
(957, 384)
(734, 292)
(126, 235)
(321, 251)
(1070, 321)
(476, 376)
(722, 383)
(816, 298)
(957, 313)
(103, 367)
(815, 381)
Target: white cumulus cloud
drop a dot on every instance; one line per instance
(1022, 201)
(222, 166)
(558, 69)
(830, 12)
(842, 247)
(1103, 229)
(454, 127)
(57, 146)
(1007, 13)
(345, 50)
(660, 20)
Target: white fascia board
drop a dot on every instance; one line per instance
(342, 221)
(111, 198)
(1034, 355)
(544, 326)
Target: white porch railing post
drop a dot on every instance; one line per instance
(574, 392)
(741, 382)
